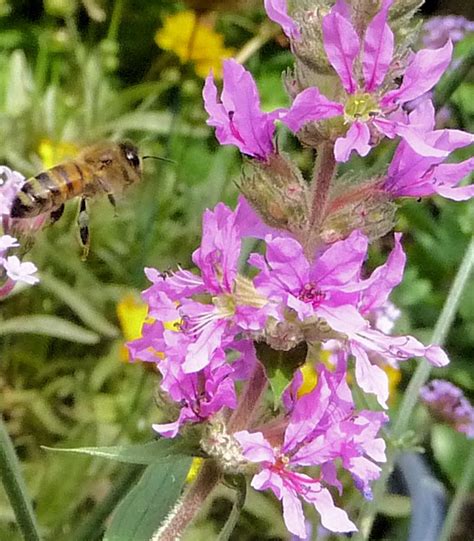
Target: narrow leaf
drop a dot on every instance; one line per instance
(161, 450)
(48, 326)
(84, 310)
(141, 512)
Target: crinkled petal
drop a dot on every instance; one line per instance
(277, 11)
(238, 119)
(384, 279)
(342, 46)
(423, 72)
(357, 138)
(342, 262)
(310, 105)
(415, 138)
(378, 50)
(255, 447)
(370, 377)
(332, 518)
(293, 513)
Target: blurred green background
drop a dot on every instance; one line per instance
(75, 72)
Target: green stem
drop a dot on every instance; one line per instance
(239, 503)
(453, 79)
(112, 34)
(15, 488)
(92, 528)
(459, 498)
(410, 398)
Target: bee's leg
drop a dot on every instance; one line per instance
(83, 223)
(56, 214)
(111, 197)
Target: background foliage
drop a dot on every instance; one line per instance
(73, 72)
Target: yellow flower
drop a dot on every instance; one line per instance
(394, 378)
(52, 152)
(132, 315)
(192, 41)
(310, 379)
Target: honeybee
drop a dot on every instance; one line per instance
(103, 168)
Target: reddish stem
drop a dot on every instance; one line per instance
(324, 170)
(190, 504)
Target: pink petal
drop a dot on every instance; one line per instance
(370, 377)
(357, 138)
(310, 105)
(293, 513)
(332, 518)
(413, 136)
(342, 46)
(255, 447)
(424, 71)
(436, 356)
(277, 11)
(342, 261)
(384, 278)
(378, 50)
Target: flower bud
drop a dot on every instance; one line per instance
(224, 448)
(365, 207)
(277, 191)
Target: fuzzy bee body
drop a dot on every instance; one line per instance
(102, 168)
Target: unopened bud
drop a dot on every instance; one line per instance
(278, 192)
(365, 207)
(218, 444)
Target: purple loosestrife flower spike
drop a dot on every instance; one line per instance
(448, 404)
(369, 109)
(237, 117)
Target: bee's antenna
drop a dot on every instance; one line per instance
(158, 158)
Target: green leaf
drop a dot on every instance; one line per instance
(76, 301)
(141, 512)
(280, 366)
(161, 450)
(48, 326)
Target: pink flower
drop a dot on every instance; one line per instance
(322, 429)
(210, 308)
(237, 117)
(412, 175)
(331, 288)
(277, 11)
(370, 109)
(200, 394)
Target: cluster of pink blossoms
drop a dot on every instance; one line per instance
(12, 269)
(218, 335)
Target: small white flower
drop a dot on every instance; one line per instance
(20, 272)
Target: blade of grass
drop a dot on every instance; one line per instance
(15, 488)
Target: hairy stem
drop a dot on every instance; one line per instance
(190, 504)
(324, 171)
(249, 401)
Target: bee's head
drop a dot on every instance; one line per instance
(130, 153)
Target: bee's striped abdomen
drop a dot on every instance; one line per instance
(48, 190)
